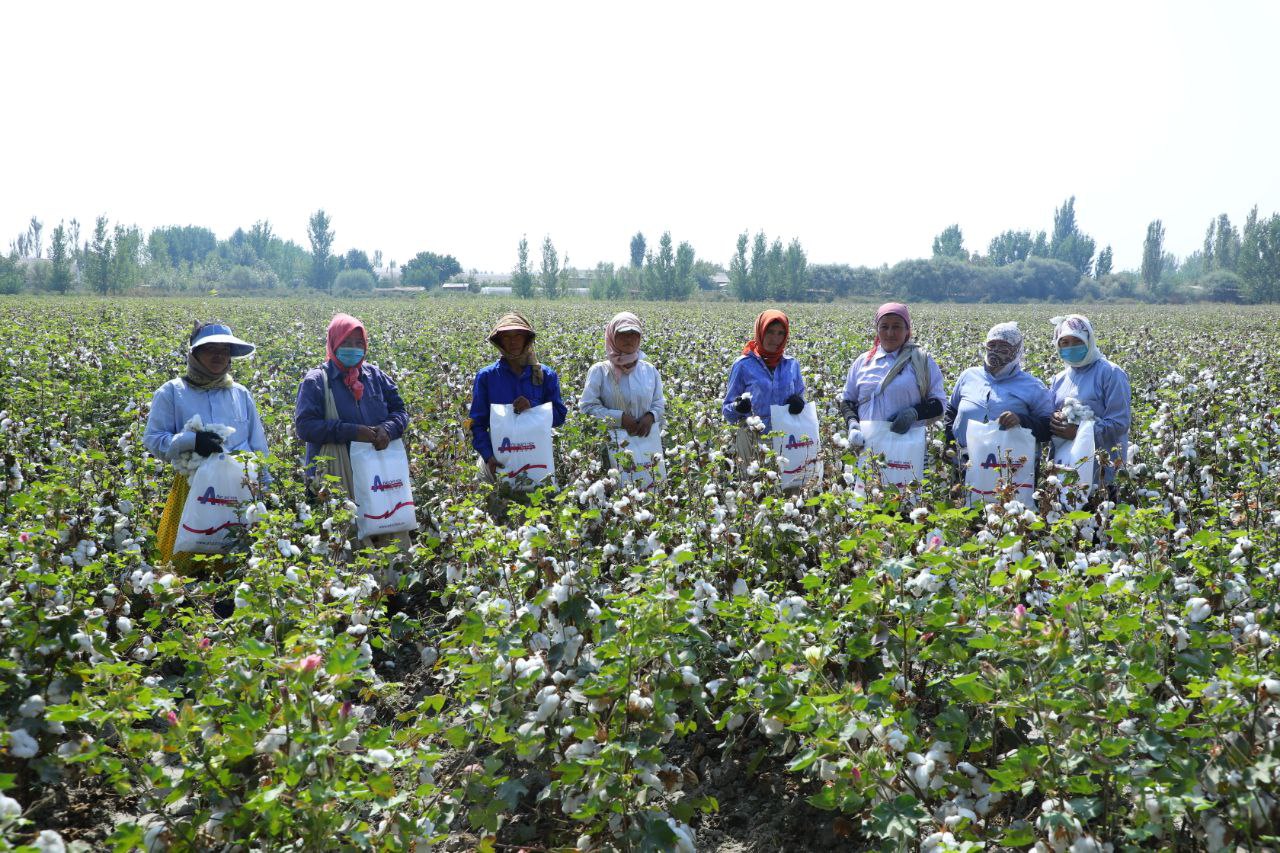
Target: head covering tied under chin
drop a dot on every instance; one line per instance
(1076, 326)
(621, 363)
(1012, 335)
(771, 358)
(514, 321)
(897, 309)
(340, 327)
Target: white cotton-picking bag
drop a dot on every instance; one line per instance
(384, 493)
(903, 454)
(998, 457)
(797, 445)
(522, 443)
(1078, 453)
(212, 512)
(645, 466)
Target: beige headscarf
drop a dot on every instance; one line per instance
(513, 321)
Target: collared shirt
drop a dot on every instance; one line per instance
(1104, 388)
(497, 384)
(636, 392)
(379, 405)
(767, 387)
(175, 402)
(862, 385)
(978, 396)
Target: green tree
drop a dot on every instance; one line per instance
(60, 258)
(1259, 262)
(660, 269)
(1103, 266)
(550, 275)
(739, 280)
(126, 261)
(1039, 246)
(320, 234)
(1153, 258)
(354, 281)
(637, 250)
(1226, 245)
(261, 238)
(11, 276)
(1009, 247)
(357, 259)
(427, 269)
(759, 275)
(795, 271)
(1069, 244)
(685, 283)
(522, 276)
(99, 257)
(950, 244)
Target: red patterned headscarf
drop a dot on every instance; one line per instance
(771, 358)
(339, 327)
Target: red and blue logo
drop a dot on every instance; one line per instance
(508, 447)
(380, 485)
(210, 497)
(993, 462)
(792, 443)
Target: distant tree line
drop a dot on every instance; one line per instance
(1059, 264)
(189, 258)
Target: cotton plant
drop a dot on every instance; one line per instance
(188, 462)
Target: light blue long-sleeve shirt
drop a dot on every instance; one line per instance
(862, 385)
(978, 396)
(175, 402)
(767, 387)
(1104, 388)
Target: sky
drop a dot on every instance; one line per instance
(862, 129)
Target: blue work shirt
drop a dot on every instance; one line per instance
(175, 402)
(497, 384)
(767, 387)
(862, 386)
(1104, 388)
(379, 405)
(981, 397)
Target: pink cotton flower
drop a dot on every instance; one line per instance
(1019, 616)
(172, 717)
(205, 643)
(309, 663)
(24, 537)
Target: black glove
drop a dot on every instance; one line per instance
(903, 420)
(795, 404)
(208, 443)
(742, 406)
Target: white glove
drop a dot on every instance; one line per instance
(856, 439)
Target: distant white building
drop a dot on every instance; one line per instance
(720, 280)
(454, 287)
(495, 291)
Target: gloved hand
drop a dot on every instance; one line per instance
(795, 404)
(208, 443)
(857, 440)
(1009, 420)
(742, 406)
(903, 420)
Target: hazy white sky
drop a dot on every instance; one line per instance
(863, 129)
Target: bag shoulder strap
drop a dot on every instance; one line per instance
(330, 407)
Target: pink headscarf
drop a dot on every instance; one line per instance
(890, 308)
(339, 327)
(621, 363)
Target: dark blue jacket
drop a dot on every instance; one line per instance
(497, 384)
(380, 405)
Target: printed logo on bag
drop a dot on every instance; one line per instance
(993, 462)
(211, 497)
(792, 443)
(508, 447)
(380, 485)
(522, 469)
(899, 466)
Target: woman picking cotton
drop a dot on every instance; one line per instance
(763, 376)
(1091, 389)
(200, 414)
(516, 379)
(894, 381)
(348, 400)
(624, 391)
(999, 391)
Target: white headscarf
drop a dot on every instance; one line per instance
(1076, 326)
(1011, 334)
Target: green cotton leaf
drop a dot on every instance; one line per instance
(1023, 836)
(1096, 590)
(986, 641)
(803, 760)
(342, 658)
(972, 686)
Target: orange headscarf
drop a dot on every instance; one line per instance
(771, 358)
(339, 327)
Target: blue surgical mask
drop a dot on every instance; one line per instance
(1075, 354)
(350, 356)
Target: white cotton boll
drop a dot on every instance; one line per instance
(272, 741)
(771, 726)
(548, 703)
(735, 722)
(32, 706)
(684, 836)
(1198, 609)
(49, 841)
(22, 744)
(9, 808)
(1270, 686)
(897, 740)
(381, 757)
(688, 677)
